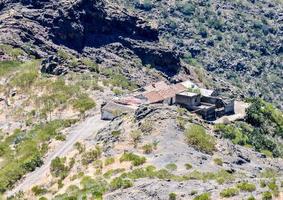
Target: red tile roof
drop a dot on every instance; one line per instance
(179, 88)
(168, 93)
(153, 97)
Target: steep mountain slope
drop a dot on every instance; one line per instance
(240, 41)
(60, 60)
(102, 31)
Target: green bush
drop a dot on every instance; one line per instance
(251, 198)
(267, 153)
(113, 172)
(262, 183)
(266, 195)
(172, 196)
(38, 190)
(204, 196)
(220, 176)
(91, 155)
(273, 187)
(188, 166)
(245, 186)
(229, 192)
(116, 133)
(58, 167)
(233, 133)
(147, 148)
(218, 161)
(119, 182)
(94, 186)
(171, 166)
(109, 161)
(134, 159)
(42, 198)
(197, 137)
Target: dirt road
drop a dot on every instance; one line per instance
(81, 131)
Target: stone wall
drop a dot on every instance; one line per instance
(188, 101)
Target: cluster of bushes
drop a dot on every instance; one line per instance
(197, 137)
(22, 152)
(91, 155)
(134, 159)
(97, 187)
(204, 196)
(151, 172)
(262, 129)
(93, 188)
(229, 192)
(58, 168)
(58, 94)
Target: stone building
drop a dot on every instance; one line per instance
(186, 94)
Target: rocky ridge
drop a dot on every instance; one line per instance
(94, 28)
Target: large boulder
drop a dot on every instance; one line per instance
(53, 65)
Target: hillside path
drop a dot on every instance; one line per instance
(78, 132)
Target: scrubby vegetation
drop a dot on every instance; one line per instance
(263, 129)
(58, 167)
(148, 148)
(197, 137)
(134, 159)
(188, 166)
(204, 196)
(229, 192)
(245, 186)
(266, 195)
(151, 172)
(171, 166)
(91, 155)
(119, 182)
(23, 151)
(172, 196)
(218, 161)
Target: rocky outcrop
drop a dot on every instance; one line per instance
(53, 65)
(88, 27)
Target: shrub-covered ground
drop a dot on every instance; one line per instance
(262, 129)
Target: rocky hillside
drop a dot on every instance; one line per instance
(104, 32)
(60, 60)
(240, 41)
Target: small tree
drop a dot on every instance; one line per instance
(136, 137)
(58, 168)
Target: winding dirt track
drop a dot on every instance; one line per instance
(79, 132)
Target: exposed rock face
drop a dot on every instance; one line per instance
(88, 27)
(53, 65)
